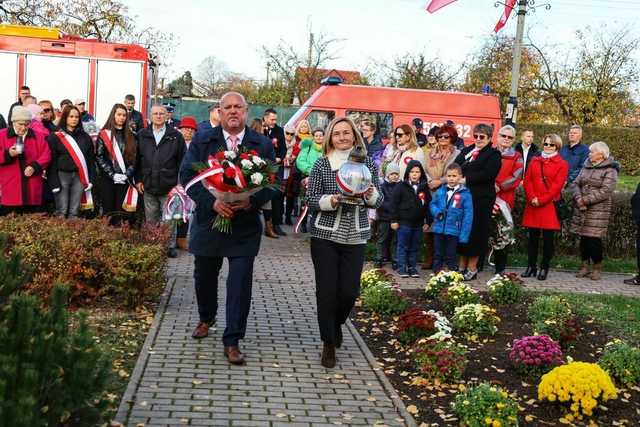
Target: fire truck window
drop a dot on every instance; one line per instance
(383, 121)
(320, 119)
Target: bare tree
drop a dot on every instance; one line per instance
(419, 72)
(211, 76)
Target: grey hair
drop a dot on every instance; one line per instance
(483, 128)
(238, 94)
(159, 106)
(600, 147)
(576, 127)
(509, 128)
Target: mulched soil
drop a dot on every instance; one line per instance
(488, 361)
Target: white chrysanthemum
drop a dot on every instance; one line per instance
(256, 178)
(246, 164)
(230, 155)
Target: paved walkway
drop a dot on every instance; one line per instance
(181, 381)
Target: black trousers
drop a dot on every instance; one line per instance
(337, 270)
(500, 259)
(239, 284)
(638, 248)
(591, 249)
(277, 205)
(112, 198)
(547, 247)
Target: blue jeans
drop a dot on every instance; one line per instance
(408, 242)
(445, 252)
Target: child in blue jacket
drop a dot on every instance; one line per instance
(452, 210)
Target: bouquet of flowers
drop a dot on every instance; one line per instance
(502, 230)
(178, 206)
(234, 177)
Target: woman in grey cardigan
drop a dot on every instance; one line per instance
(591, 191)
(339, 233)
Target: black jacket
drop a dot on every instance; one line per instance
(533, 152)
(136, 121)
(411, 207)
(18, 102)
(244, 239)
(386, 210)
(481, 173)
(107, 166)
(50, 126)
(157, 166)
(61, 159)
(279, 145)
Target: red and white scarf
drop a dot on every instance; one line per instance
(130, 202)
(86, 202)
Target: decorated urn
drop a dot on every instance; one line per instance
(354, 177)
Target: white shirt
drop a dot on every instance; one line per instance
(226, 135)
(450, 192)
(159, 133)
(525, 153)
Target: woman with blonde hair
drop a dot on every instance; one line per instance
(339, 233)
(407, 148)
(303, 131)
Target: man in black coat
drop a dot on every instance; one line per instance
(161, 149)
(276, 135)
(214, 118)
(210, 246)
(527, 149)
(22, 96)
(135, 120)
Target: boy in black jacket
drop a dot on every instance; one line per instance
(386, 236)
(635, 213)
(411, 217)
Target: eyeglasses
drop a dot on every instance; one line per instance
(290, 133)
(47, 110)
(549, 144)
(480, 136)
(443, 136)
(399, 135)
(506, 136)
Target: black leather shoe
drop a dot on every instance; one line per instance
(328, 359)
(279, 231)
(339, 337)
(543, 274)
(172, 253)
(530, 272)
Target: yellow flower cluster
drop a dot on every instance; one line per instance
(580, 383)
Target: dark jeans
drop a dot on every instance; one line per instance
(291, 206)
(547, 247)
(500, 259)
(277, 206)
(337, 269)
(239, 283)
(69, 195)
(445, 252)
(591, 249)
(408, 242)
(386, 237)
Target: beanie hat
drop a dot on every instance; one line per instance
(188, 122)
(20, 114)
(391, 168)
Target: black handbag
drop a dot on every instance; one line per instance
(562, 210)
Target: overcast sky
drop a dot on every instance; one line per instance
(234, 31)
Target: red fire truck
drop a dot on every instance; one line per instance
(56, 66)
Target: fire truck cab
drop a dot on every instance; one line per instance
(57, 66)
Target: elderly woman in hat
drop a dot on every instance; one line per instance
(188, 128)
(24, 157)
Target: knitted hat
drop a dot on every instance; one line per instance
(188, 122)
(391, 168)
(20, 114)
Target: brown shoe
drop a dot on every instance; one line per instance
(596, 273)
(201, 331)
(585, 270)
(234, 355)
(269, 231)
(328, 356)
(181, 243)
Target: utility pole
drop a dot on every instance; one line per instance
(511, 114)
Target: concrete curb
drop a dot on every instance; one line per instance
(141, 364)
(395, 397)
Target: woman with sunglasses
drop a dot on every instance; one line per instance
(480, 164)
(509, 178)
(48, 116)
(407, 148)
(543, 183)
(291, 181)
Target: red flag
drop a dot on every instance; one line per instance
(438, 4)
(508, 7)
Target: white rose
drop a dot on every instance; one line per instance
(246, 164)
(258, 161)
(230, 154)
(256, 178)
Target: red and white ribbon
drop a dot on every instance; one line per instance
(70, 144)
(216, 173)
(130, 202)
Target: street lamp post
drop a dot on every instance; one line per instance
(511, 114)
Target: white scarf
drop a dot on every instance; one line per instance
(337, 158)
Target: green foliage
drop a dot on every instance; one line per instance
(551, 315)
(92, 257)
(373, 277)
(13, 273)
(505, 288)
(383, 298)
(457, 295)
(441, 281)
(475, 319)
(622, 362)
(486, 405)
(440, 360)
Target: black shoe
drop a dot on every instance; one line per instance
(413, 272)
(530, 272)
(378, 264)
(403, 272)
(394, 266)
(303, 228)
(470, 275)
(543, 274)
(500, 272)
(339, 336)
(633, 281)
(279, 230)
(172, 253)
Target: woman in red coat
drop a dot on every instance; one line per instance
(546, 176)
(508, 179)
(24, 155)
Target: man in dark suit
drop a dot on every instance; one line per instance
(276, 135)
(527, 149)
(210, 246)
(214, 118)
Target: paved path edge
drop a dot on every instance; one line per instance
(382, 377)
(127, 400)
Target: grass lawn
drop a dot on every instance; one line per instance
(620, 315)
(627, 182)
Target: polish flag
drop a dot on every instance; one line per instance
(508, 7)
(438, 4)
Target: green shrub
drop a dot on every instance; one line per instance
(384, 298)
(440, 281)
(440, 360)
(486, 405)
(373, 277)
(622, 362)
(475, 319)
(552, 315)
(457, 295)
(505, 288)
(89, 255)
